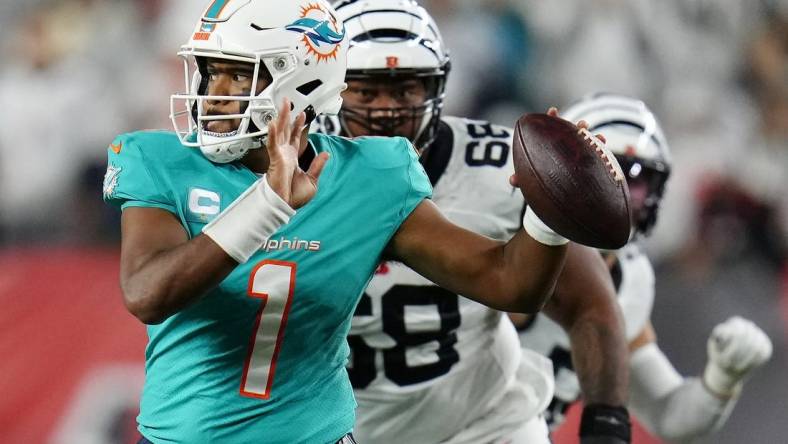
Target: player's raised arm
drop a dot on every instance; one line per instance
(557, 162)
(163, 271)
(584, 305)
(515, 276)
(683, 409)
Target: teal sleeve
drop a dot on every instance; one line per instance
(420, 187)
(130, 180)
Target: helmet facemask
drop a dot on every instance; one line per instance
(300, 48)
(191, 117)
(393, 41)
(648, 178)
(418, 123)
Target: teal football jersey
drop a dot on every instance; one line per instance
(261, 358)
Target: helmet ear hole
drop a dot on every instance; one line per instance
(308, 87)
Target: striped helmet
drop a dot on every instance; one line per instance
(395, 38)
(635, 137)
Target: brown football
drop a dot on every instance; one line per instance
(571, 181)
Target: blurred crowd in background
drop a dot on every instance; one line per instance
(75, 73)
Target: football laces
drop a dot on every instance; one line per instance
(603, 153)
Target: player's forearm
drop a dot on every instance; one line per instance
(158, 286)
(585, 307)
(599, 356)
(528, 271)
(672, 407)
(516, 276)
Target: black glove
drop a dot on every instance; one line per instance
(605, 424)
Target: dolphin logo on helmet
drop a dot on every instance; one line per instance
(316, 31)
(322, 33)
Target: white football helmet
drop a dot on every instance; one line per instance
(301, 44)
(635, 137)
(395, 38)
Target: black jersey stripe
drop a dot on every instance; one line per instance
(436, 157)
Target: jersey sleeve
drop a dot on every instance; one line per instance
(129, 180)
(636, 291)
(420, 186)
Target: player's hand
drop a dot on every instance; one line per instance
(294, 185)
(735, 348)
(553, 112)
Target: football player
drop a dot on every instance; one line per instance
(246, 271)
(672, 407)
(426, 365)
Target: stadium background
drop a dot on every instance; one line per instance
(73, 73)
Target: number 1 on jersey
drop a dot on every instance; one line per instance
(274, 283)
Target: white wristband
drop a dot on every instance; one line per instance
(720, 382)
(243, 227)
(540, 231)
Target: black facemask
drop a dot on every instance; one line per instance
(654, 175)
(407, 122)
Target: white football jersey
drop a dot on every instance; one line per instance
(425, 363)
(633, 277)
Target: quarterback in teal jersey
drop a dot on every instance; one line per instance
(246, 267)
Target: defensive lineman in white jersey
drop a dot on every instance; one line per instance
(413, 343)
(674, 408)
(428, 366)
